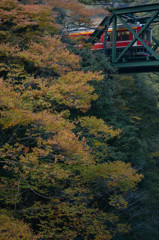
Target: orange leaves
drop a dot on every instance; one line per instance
(20, 24)
(74, 8)
(23, 16)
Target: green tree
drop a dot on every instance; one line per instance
(130, 102)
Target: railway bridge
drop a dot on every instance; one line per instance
(146, 16)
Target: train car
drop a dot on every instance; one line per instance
(124, 37)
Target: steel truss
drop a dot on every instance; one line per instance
(145, 15)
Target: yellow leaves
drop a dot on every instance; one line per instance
(7, 50)
(122, 176)
(119, 175)
(46, 19)
(53, 123)
(1, 82)
(10, 228)
(98, 133)
(119, 178)
(8, 98)
(8, 5)
(16, 114)
(123, 228)
(28, 164)
(155, 154)
(12, 112)
(75, 148)
(98, 127)
(135, 119)
(106, 236)
(41, 171)
(15, 117)
(118, 201)
(50, 54)
(16, 110)
(29, 159)
(74, 90)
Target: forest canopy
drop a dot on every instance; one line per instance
(63, 172)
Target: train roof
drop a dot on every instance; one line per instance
(84, 30)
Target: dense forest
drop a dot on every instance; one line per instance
(79, 154)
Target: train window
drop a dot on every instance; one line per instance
(147, 36)
(82, 37)
(108, 37)
(125, 35)
(135, 31)
(118, 36)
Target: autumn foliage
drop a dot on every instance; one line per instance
(51, 152)
(10, 228)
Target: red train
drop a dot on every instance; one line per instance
(124, 37)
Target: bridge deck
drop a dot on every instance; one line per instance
(137, 66)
